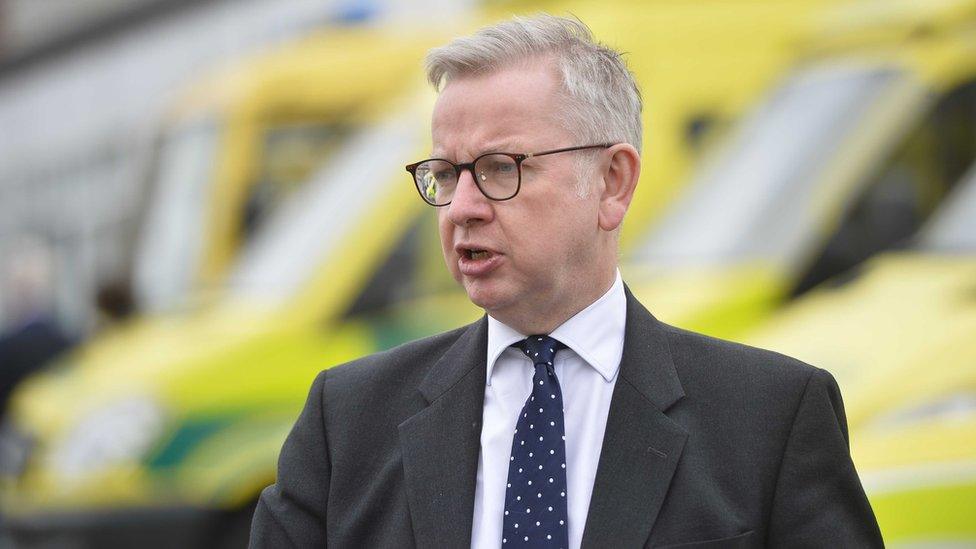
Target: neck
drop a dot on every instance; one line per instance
(543, 318)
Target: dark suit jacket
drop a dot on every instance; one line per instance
(708, 444)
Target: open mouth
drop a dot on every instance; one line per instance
(476, 254)
(477, 262)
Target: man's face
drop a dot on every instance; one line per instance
(534, 255)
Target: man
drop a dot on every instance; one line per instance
(568, 416)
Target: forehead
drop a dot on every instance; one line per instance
(512, 106)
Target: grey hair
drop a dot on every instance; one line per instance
(603, 103)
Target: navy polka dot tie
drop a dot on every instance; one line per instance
(535, 497)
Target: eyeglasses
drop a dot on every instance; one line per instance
(498, 175)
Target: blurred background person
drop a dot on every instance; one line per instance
(32, 336)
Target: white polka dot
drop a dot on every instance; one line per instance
(511, 458)
(518, 498)
(520, 469)
(540, 410)
(540, 382)
(550, 508)
(562, 494)
(550, 350)
(509, 485)
(548, 536)
(530, 483)
(539, 495)
(522, 443)
(504, 540)
(526, 538)
(552, 396)
(553, 423)
(516, 525)
(540, 339)
(537, 523)
(527, 510)
(540, 467)
(552, 452)
(540, 439)
(564, 465)
(550, 480)
(560, 522)
(530, 454)
(506, 512)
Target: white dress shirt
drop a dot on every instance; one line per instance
(587, 371)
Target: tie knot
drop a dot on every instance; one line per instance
(540, 348)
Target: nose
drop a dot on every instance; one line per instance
(469, 205)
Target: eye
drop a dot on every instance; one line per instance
(497, 165)
(505, 167)
(444, 177)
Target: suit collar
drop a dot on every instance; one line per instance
(646, 362)
(466, 353)
(441, 443)
(596, 333)
(641, 445)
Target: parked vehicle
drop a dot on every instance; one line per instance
(240, 141)
(845, 159)
(898, 337)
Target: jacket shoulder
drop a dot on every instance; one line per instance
(733, 364)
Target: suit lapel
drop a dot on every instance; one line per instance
(441, 443)
(642, 445)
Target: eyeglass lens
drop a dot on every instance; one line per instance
(497, 175)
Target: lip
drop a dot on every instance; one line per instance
(476, 267)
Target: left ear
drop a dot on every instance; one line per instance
(620, 175)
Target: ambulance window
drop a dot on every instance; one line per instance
(953, 227)
(905, 189)
(169, 254)
(289, 155)
(394, 280)
(751, 201)
(413, 269)
(321, 217)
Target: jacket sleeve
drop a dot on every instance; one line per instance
(292, 512)
(819, 500)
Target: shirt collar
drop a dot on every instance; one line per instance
(596, 333)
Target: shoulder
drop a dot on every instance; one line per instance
(698, 353)
(701, 358)
(742, 376)
(733, 390)
(362, 402)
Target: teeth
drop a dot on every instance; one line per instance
(479, 254)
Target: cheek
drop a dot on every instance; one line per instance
(446, 230)
(570, 235)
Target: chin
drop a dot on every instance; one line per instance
(483, 295)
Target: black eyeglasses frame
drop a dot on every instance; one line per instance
(518, 158)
